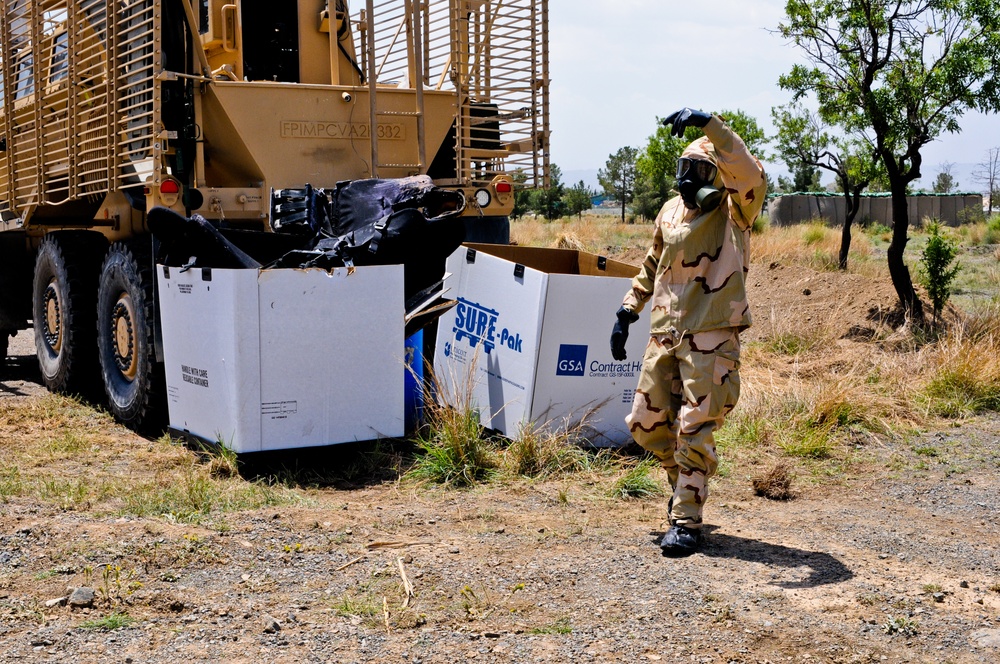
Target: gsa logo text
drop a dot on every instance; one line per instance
(572, 360)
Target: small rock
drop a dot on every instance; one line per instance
(963, 584)
(176, 606)
(883, 556)
(58, 601)
(452, 549)
(271, 625)
(807, 292)
(938, 597)
(82, 597)
(986, 638)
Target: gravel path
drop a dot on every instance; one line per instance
(517, 575)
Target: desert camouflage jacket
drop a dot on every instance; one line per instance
(695, 272)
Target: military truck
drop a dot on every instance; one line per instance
(109, 108)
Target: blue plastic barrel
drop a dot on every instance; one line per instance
(413, 383)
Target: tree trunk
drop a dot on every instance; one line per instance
(897, 268)
(845, 241)
(853, 199)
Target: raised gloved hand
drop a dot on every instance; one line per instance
(686, 117)
(619, 334)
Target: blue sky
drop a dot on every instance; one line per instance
(615, 66)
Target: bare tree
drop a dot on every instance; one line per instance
(988, 173)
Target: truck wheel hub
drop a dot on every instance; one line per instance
(123, 333)
(53, 317)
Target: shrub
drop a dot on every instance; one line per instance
(937, 272)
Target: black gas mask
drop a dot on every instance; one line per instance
(694, 182)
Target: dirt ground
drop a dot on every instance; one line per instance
(900, 563)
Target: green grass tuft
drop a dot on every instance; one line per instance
(955, 392)
(454, 451)
(109, 623)
(636, 481)
(809, 442)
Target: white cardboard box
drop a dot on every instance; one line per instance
(529, 340)
(275, 359)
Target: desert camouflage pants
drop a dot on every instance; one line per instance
(685, 390)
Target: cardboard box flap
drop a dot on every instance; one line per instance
(559, 261)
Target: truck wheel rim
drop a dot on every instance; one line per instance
(53, 317)
(123, 334)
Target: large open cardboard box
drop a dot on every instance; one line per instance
(273, 359)
(529, 341)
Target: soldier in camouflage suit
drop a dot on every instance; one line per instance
(695, 274)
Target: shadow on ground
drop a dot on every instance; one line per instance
(18, 369)
(347, 466)
(823, 569)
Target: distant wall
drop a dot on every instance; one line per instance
(799, 208)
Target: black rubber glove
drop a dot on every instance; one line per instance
(686, 117)
(619, 335)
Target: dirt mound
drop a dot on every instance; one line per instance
(786, 299)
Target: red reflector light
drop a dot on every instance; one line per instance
(170, 187)
(503, 187)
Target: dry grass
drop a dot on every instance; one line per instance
(77, 458)
(599, 234)
(816, 246)
(775, 483)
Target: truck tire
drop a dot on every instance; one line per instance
(63, 297)
(490, 230)
(125, 332)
